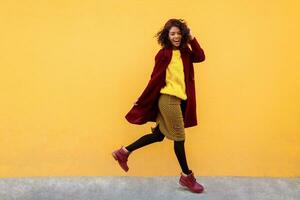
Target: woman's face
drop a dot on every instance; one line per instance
(175, 36)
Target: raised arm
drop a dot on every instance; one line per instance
(197, 53)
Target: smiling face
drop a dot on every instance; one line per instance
(175, 36)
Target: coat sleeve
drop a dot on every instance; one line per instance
(155, 79)
(197, 53)
(159, 57)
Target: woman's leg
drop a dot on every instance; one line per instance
(180, 153)
(156, 136)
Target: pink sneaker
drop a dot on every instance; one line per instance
(190, 182)
(121, 156)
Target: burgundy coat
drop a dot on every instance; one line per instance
(146, 107)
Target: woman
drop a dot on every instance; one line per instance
(169, 98)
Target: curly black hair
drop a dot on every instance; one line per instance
(163, 34)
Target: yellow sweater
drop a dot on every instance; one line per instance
(175, 84)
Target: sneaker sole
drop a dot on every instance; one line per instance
(186, 187)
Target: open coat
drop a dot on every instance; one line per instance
(146, 107)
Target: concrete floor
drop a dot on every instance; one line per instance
(152, 188)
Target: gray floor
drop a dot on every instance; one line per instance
(152, 188)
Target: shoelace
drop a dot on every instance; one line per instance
(193, 178)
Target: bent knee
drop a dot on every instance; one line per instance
(159, 135)
(160, 138)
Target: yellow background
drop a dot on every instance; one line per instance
(71, 70)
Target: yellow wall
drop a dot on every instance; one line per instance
(71, 70)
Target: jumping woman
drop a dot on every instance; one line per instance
(169, 98)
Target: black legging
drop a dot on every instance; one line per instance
(158, 136)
